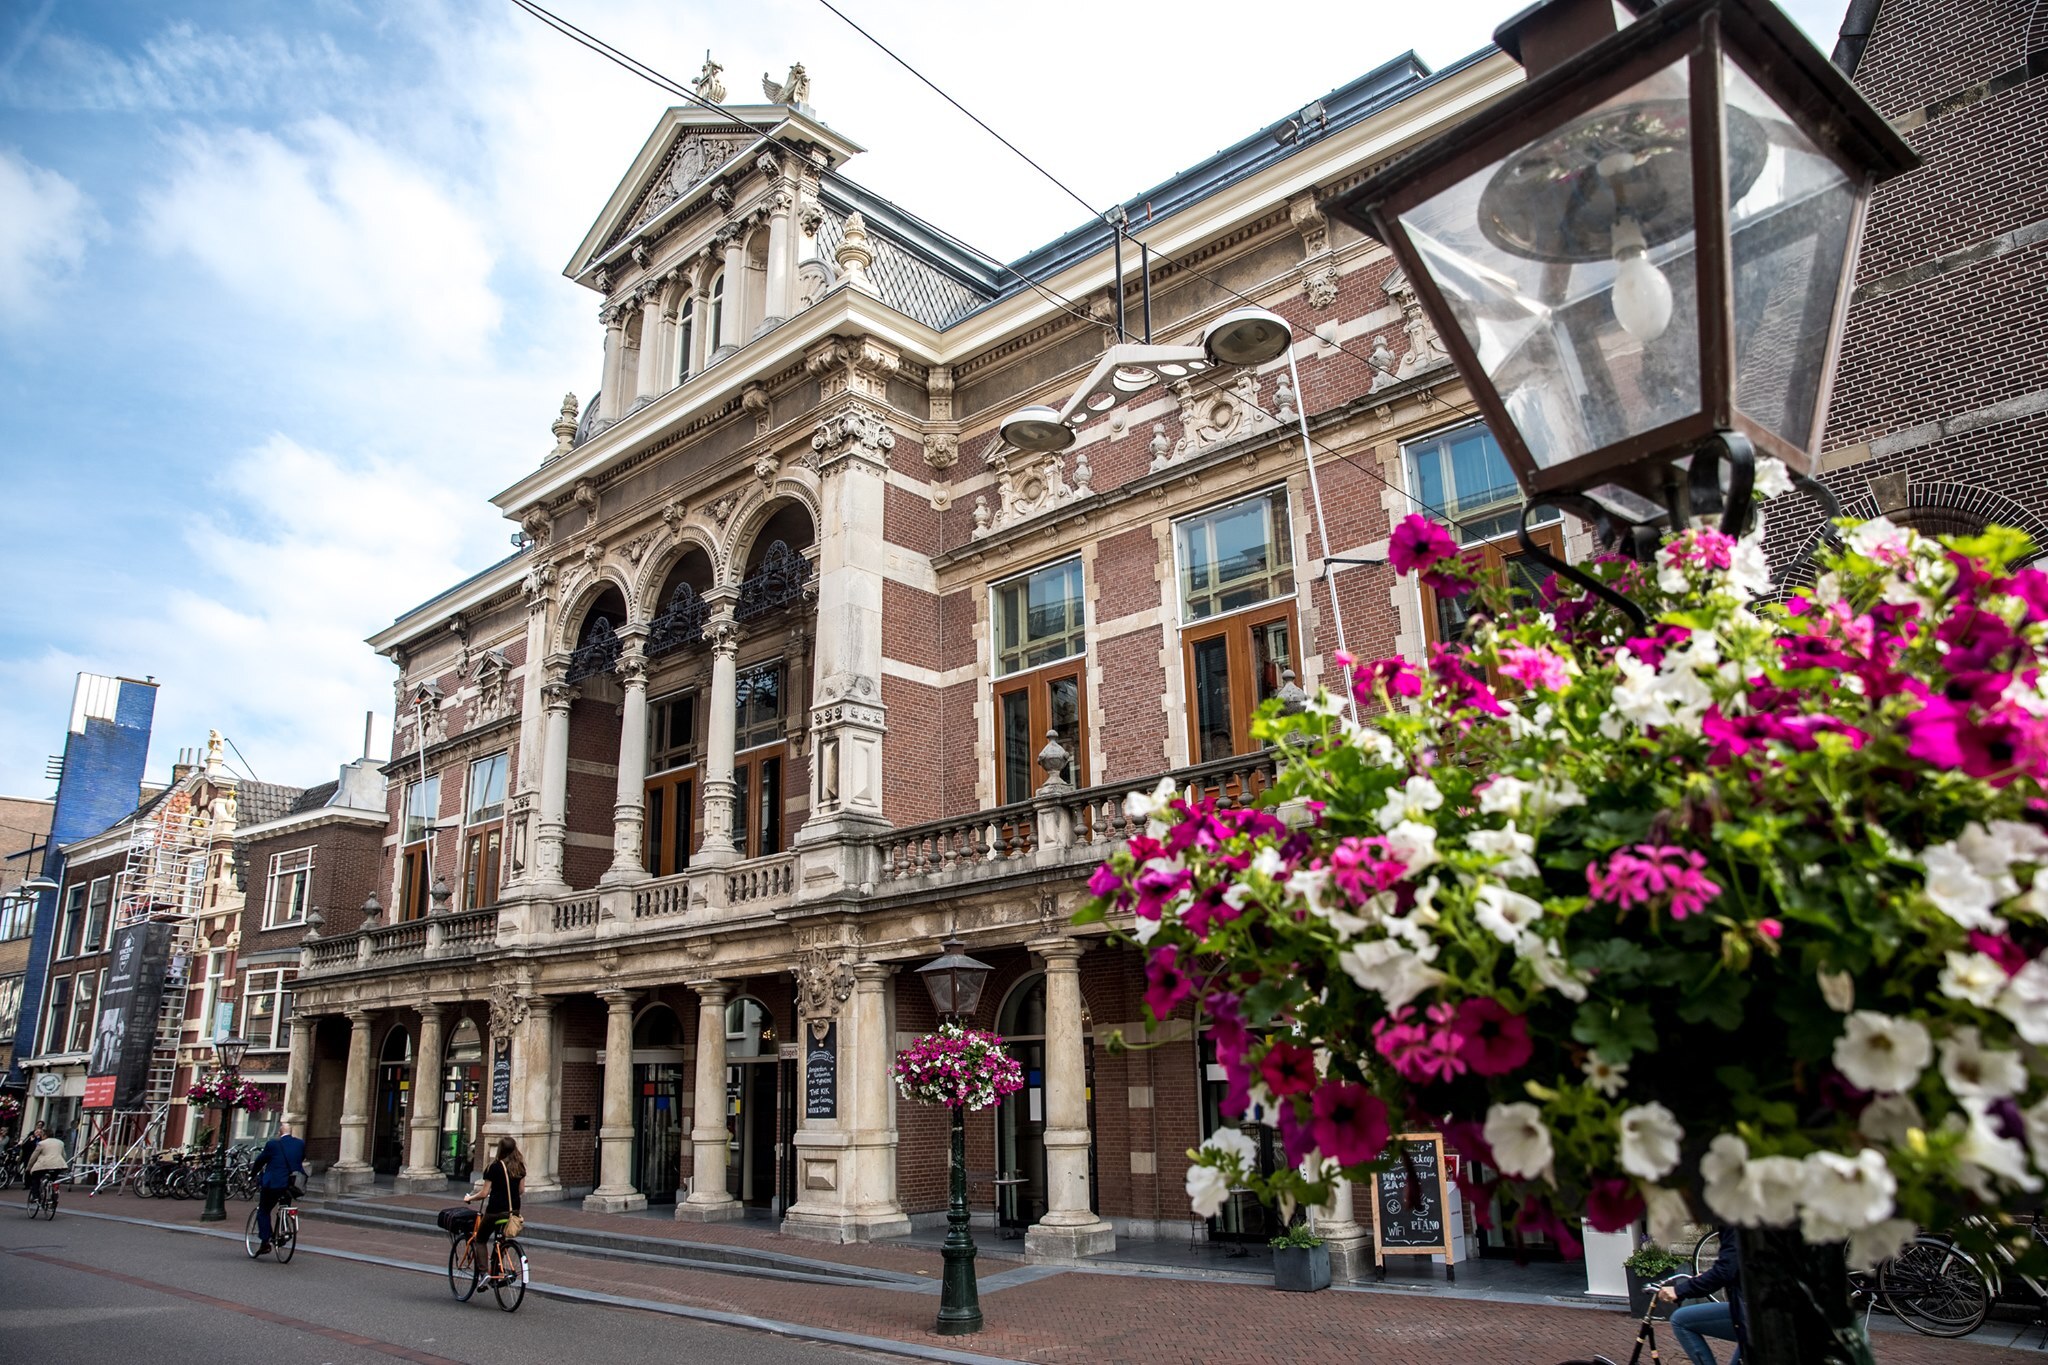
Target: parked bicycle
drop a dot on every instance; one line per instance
(1941, 1289)
(12, 1164)
(479, 1259)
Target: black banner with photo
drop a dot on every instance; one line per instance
(124, 1035)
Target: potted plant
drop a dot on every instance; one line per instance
(1301, 1263)
(1646, 1265)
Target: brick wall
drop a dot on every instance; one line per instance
(582, 1099)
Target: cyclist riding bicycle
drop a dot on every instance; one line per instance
(46, 1160)
(499, 1190)
(282, 1162)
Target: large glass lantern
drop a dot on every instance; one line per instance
(1649, 244)
(954, 980)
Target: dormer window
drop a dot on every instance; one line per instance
(686, 337)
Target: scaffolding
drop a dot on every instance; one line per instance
(165, 879)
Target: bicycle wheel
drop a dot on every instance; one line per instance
(1936, 1288)
(1703, 1257)
(252, 1241)
(462, 1270)
(509, 1284)
(50, 1202)
(287, 1231)
(33, 1204)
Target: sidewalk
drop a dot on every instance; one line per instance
(1059, 1314)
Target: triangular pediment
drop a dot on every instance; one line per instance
(686, 153)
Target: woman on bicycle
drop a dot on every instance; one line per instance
(500, 1192)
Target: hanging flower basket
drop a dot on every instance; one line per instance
(1742, 914)
(10, 1108)
(214, 1092)
(957, 1067)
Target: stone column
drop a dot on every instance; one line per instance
(846, 1165)
(611, 403)
(1350, 1242)
(708, 1201)
(716, 848)
(1069, 1229)
(732, 315)
(648, 378)
(552, 844)
(352, 1171)
(781, 259)
(298, 1075)
(615, 1192)
(422, 1163)
(537, 1108)
(629, 808)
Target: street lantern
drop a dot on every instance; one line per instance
(954, 980)
(1645, 252)
(228, 1053)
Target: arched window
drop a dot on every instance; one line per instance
(717, 296)
(686, 336)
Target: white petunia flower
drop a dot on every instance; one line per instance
(1142, 805)
(1413, 843)
(1397, 972)
(1143, 929)
(1232, 1142)
(1310, 884)
(1609, 1078)
(1650, 1135)
(1411, 801)
(1749, 569)
(1550, 967)
(1975, 977)
(1504, 913)
(1989, 1157)
(1845, 1194)
(1880, 539)
(1838, 989)
(1325, 704)
(1369, 741)
(1237, 893)
(1971, 1069)
(1208, 1190)
(1506, 850)
(1760, 1193)
(1879, 1242)
(2025, 1001)
(1962, 892)
(1882, 1052)
(1503, 795)
(1521, 1144)
(1890, 1119)
(1773, 480)
(1268, 863)
(1548, 798)
(1639, 696)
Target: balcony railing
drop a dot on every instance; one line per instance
(779, 581)
(680, 625)
(597, 654)
(764, 879)
(437, 936)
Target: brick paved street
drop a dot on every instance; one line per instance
(1071, 1316)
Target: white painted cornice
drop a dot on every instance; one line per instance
(435, 612)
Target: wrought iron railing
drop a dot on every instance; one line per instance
(680, 625)
(598, 652)
(780, 581)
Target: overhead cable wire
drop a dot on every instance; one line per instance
(669, 84)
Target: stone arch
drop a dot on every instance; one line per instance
(655, 568)
(1959, 501)
(578, 604)
(649, 1014)
(755, 515)
(397, 1031)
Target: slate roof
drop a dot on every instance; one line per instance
(259, 802)
(313, 798)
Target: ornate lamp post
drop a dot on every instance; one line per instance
(955, 981)
(1640, 261)
(228, 1052)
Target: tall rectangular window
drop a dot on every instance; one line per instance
(267, 1010)
(487, 789)
(1237, 613)
(57, 1014)
(85, 995)
(1040, 654)
(99, 914)
(1039, 618)
(481, 856)
(758, 693)
(209, 1000)
(757, 771)
(672, 732)
(17, 915)
(422, 807)
(291, 884)
(1462, 476)
(71, 933)
(1235, 557)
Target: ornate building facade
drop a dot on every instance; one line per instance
(800, 671)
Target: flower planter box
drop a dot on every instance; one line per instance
(1640, 1292)
(1301, 1270)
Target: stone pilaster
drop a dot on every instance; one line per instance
(708, 1201)
(615, 1192)
(422, 1171)
(1070, 1229)
(352, 1170)
(629, 808)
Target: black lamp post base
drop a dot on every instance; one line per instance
(959, 1299)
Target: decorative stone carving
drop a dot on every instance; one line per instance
(853, 432)
(696, 156)
(941, 450)
(636, 549)
(592, 553)
(537, 524)
(1425, 349)
(585, 495)
(639, 255)
(769, 165)
(539, 579)
(1161, 446)
(708, 85)
(981, 515)
(1319, 265)
(764, 467)
(858, 365)
(814, 279)
(810, 218)
(1030, 486)
(1383, 363)
(821, 983)
(672, 511)
(493, 699)
(1285, 400)
(564, 429)
(508, 1010)
(793, 90)
(854, 256)
(1212, 413)
(722, 510)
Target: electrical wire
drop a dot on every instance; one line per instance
(1098, 213)
(672, 86)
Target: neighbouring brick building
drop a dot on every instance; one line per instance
(1940, 413)
(802, 670)
(24, 832)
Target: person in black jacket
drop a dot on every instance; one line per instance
(1695, 1322)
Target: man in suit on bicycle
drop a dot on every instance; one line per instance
(283, 1160)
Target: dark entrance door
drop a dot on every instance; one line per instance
(658, 1130)
(1243, 1218)
(1020, 1117)
(462, 1081)
(393, 1105)
(751, 1104)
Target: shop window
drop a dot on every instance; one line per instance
(291, 885)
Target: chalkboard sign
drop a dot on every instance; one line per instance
(501, 1079)
(1411, 1201)
(821, 1072)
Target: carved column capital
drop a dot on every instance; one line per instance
(1059, 952)
(853, 433)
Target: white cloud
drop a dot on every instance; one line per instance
(327, 231)
(43, 234)
(181, 68)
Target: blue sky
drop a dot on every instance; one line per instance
(281, 302)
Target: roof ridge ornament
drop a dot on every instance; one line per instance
(707, 85)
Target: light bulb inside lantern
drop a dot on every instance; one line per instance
(1642, 296)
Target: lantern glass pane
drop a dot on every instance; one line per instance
(940, 984)
(1789, 240)
(967, 988)
(1569, 266)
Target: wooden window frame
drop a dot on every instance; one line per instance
(1022, 581)
(1034, 683)
(668, 796)
(483, 860)
(281, 876)
(415, 881)
(489, 814)
(56, 1028)
(1236, 628)
(746, 775)
(71, 923)
(1488, 557)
